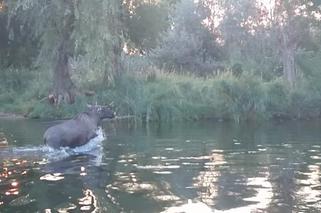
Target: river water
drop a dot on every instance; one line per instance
(179, 167)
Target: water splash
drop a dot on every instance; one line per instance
(46, 153)
(93, 147)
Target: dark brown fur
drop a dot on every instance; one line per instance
(79, 130)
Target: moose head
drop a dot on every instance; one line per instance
(102, 111)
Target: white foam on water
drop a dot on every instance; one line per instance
(93, 147)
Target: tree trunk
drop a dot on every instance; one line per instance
(288, 48)
(63, 87)
(116, 59)
(289, 68)
(116, 28)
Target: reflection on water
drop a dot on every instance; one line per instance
(207, 180)
(201, 167)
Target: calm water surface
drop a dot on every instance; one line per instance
(204, 166)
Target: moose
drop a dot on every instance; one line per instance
(79, 130)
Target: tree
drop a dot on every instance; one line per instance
(53, 23)
(189, 45)
(245, 38)
(99, 41)
(63, 86)
(274, 32)
(86, 34)
(16, 44)
(3, 33)
(145, 22)
(293, 21)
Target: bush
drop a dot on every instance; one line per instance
(277, 98)
(152, 95)
(176, 97)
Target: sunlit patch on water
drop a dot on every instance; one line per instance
(206, 183)
(316, 157)
(163, 172)
(88, 202)
(190, 207)
(309, 186)
(158, 167)
(52, 177)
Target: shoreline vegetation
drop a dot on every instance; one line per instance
(160, 96)
(10, 115)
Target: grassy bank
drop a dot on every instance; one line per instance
(158, 96)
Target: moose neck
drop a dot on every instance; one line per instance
(95, 117)
(90, 116)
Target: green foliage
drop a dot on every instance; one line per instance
(309, 63)
(169, 97)
(17, 46)
(45, 110)
(99, 36)
(277, 98)
(189, 46)
(96, 32)
(146, 23)
(14, 79)
(305, 100)
(152, 95)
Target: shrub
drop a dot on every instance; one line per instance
(152, 95)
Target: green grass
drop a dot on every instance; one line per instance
(158, 96)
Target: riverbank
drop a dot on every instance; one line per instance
(170, 97)
(5, 115)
